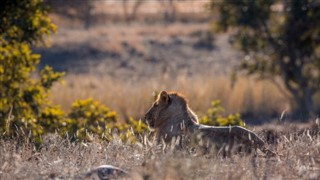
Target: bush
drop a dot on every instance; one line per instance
(214, 117)
(90, 117)
(23, 100)
(53, 120)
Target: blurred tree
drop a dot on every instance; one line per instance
(131, 14)
(170, 10)
(23, 100)
(281, 38)
(74, 9)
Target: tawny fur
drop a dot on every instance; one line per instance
(172, 118)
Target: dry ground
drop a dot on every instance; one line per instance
(298, 149)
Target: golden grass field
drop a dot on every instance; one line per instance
(134, 98)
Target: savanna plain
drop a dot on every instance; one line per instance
(124, 64)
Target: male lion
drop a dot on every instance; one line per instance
(172, 118)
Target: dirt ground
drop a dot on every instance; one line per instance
(142, 51)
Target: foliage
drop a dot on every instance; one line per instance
(281, 41)
(23, 100)
(24, 21)
(214, 117)
(90, 117)
(53, 120)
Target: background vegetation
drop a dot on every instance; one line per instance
(280, 40)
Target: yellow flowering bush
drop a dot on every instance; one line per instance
(90, 117)
(24, 100)
(214, 117)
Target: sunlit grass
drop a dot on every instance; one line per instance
(128, 98)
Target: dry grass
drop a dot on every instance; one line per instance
(103, 12)
(110, 37)
(151, 7)
(299, 158)
(132, 98)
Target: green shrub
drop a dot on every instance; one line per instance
(214, 117)
(24, 100)
(53, 120)
(90, 117)
(23, 97)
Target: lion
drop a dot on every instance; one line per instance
(171, 118)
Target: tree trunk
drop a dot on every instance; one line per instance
(303, 104)
(88, 16)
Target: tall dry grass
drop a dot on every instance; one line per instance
(57, 158)
(132, 98)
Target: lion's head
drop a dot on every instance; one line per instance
(166, 107)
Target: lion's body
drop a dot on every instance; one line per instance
(230, 138)
(171, 117)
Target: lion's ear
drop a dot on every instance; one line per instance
(164, 97)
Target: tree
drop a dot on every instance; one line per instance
(23, 99)
(131, 13)
(74, 9)
(281, 40)
(169, 10)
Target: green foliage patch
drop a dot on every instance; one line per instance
(23, 97)
(214, 117)
(89, 117)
